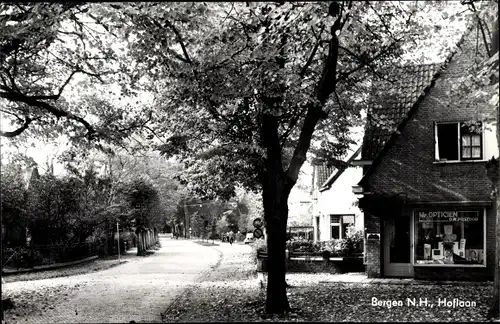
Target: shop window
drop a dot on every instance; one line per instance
(459, 141)
(450, 237)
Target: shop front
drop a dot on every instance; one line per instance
(439, 242)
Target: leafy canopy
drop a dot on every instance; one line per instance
(217, 70)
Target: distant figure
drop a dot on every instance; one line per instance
(231, 237)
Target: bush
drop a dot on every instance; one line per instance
(303, 246)
(354, 240)
(352, 243)
(22, 257)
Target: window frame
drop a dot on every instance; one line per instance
(482, 212)
(339, 224)
(460, 147)
(470, 134)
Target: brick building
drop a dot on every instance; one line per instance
(426, 197)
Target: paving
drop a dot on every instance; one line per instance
(137, 291)
(146, 289)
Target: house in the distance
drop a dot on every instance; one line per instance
(334, 203)
(427, 199)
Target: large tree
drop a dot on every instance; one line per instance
(247, 89)
(243, 91)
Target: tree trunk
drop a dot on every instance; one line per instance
(276, 215)
(275, 191)
(140, 243)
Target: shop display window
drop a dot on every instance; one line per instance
(449, 237)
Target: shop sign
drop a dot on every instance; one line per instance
(447, 216)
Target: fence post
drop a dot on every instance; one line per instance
(118, 236)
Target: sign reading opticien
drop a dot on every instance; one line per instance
(447, 216)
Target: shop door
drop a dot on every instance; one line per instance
(397, 247)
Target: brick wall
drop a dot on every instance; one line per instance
(408, 166)
(373, 255)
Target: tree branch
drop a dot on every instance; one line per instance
(30, 101)
(382, 20)
(187, 58)
(484, 38)
(338, 102)
(18, 131)
(357, 57)
(311, 57)
(344, 75)
(179, 40)
(59, 92)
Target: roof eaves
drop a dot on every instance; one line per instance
(331, 180)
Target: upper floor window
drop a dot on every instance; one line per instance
(459, 141)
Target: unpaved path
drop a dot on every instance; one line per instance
(139, 290)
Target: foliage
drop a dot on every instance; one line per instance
(84, 206)
(241, 54)
(143, 201)
(13, 195)
(301, 246)
(354, 239)
(352, 243)
(249, 207)
(56, 62)
(249, 88)
(242, 91)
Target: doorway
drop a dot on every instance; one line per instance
(398, 247)
(318, 231)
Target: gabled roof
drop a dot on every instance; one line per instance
(323, 172)
(419, 82)
(393, 102)
(334, 176)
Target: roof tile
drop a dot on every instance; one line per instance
(392, 103)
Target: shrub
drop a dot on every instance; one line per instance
(352, 243)
(303, 246)
(354, 240)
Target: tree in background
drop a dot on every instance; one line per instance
(248, 89)
(143, 199)
(250, 208)
(13, 199)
